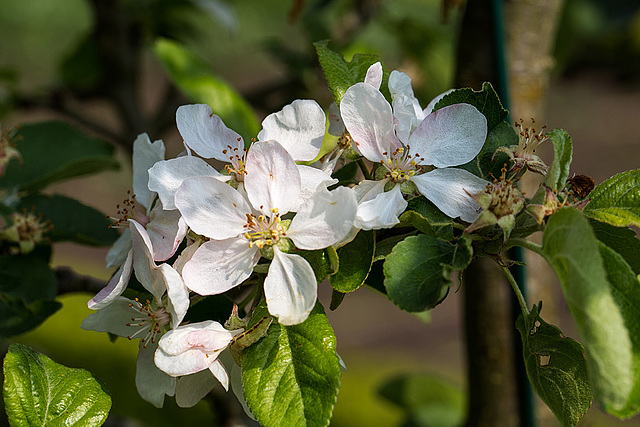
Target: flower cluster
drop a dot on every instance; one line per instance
(245, 229)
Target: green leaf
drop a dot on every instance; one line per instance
(485, 165)
(575, 254)
(556, 367)
(320, 261)
(440, 223)
(71, 220)
(27, 289)
(616, 201)
(386, 245)
(39, 391)
(486, 101)
(355, 258)
(55, 151)
(563, 153)
(292, 375)
(622, 240)
(340, 74)
(427, 399)
(194, 77)
(417, 272)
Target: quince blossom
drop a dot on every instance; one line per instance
(416, 150)
(243, 225)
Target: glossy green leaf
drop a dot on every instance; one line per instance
(616, 201)
(292, 375)
(486, 101)
(39, 392)
(386, 245)
(195, 78)
(55, 151)
(440, 223)
(556, 367)
(623, 240)
(72, 221)
(341, 74)
(563, 153)
(417, 272)
(485, 165)
(355, 258)
(604, 324)
(427, 400)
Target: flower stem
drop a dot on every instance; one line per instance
(527, 244)
(363, 168)
(516, 289)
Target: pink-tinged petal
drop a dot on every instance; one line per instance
(310, 179)
(145, 155)
(299, 127)
(189, 362)
(374, 75)
(449, 190)
(369, 119)
(166, 176)
(205, 133)
(151, 382)
(166, 230)
(219, 265)
(191, 389)
(450, 136)
(272, 180)
(290, 288)
(115, 287)
(381, 211)
(212, 208)
(326, 218)
(177, 294)
(218, 371)
(113, 318)
(207, 336)
(120, 250)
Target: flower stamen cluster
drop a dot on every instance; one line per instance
(522, 155)
(237, 158)
(152, 321)
(27, 229)
(401, 164)
(129, 209)
(262, 230)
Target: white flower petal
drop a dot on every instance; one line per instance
(326, 218)
(290, 288)
(400, 84)
(191, 389)
(219, 265)
(381, 211)
(310, 179)
(208, 336)
(151, 382)
(450, 136)
(120, 250)
(369, 119)
(446, 189)
(205, 133)
(116, 285)
(177, 294)
(144, 266)
(434, 101)
(166, 176)
(336, 127)
(186, 363)
(218, 371)
(299, 127)
(166, 230)
(145, 155)
(374, 75)
(113, 318)
(212, 208)
(272, 180)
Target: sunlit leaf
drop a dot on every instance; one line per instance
(617, 200)
(563, 153)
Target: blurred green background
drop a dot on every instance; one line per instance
(99, 66)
